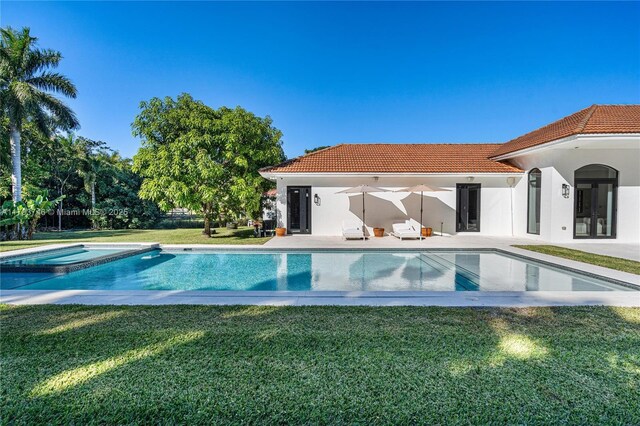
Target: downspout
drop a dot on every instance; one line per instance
(511, 182)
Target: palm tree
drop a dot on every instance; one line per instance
(92, 157)
(25, 92)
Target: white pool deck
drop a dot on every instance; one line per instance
(370, 298)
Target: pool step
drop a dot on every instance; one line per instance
(464, 278)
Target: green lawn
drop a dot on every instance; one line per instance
(625, 265)
(319, 365)
(164, 236)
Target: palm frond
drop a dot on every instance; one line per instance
(40, 59)
(43, 121)
(54, 82)
(59, 110)
(22, 92)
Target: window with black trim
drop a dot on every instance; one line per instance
(533, 201)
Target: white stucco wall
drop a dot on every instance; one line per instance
(558, 167)
(382, 209)
(501, 215)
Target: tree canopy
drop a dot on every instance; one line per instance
(318, 148)
(204, 159)
(27, 89)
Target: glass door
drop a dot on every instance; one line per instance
(595, 201)
(583, 210)
(299, 209)
(604, 210)
(595, 210)
(468, 207)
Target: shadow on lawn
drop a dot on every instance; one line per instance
(313, 363)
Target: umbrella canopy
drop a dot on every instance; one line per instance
(422, 188)
(362, 189)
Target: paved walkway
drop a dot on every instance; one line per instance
(615, 249)
(387, 242)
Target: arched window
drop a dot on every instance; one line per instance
(596, 188)
(596, 171)
(533, 203)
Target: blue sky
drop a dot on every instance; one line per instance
(344, 72)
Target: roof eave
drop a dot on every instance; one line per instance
(275, 175)
(551, 144)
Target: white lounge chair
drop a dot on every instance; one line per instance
(352, 230)
(405, 230)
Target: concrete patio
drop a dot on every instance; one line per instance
(606, 247)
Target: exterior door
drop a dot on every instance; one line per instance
(468, 207)
(595, 209)
(299, 209)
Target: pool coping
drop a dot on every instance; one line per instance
(309, 298)
(346, 298)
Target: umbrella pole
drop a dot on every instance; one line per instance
(364, 237)
(421, 200)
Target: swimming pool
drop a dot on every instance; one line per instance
(452, 270)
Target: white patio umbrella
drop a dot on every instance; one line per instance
(422, 188)
(364, 189)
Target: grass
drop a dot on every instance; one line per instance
(319, 365)
(625, 265)
(242, 235)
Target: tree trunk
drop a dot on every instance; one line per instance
(60, 214)
(16, 175)
(93, 204)
(207, 226)
(93, 195)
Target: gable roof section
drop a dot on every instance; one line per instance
(595, 119)
(397, 158)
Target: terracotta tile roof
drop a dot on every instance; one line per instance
(595, 119)
(397, 158)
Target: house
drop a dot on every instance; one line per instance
(576, 178)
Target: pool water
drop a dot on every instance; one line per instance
(64, 256)
(317, 271)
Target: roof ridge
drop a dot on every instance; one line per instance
(550, 124)
(583, 123)
(622, 105)
(299, 157)
(309, 154)
(420, 143)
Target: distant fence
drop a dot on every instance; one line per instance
(180, 219)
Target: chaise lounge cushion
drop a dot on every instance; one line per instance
(352, 230)
(405, 230)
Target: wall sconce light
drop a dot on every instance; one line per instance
(510, 181)
(316, 199)
(375, 178)
(565, 190)
(470, 178)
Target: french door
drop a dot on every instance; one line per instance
(299, 209)
(468, 207)
(595, 208)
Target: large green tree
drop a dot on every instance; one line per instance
(203, 159)
(27, 89)
(115, 190)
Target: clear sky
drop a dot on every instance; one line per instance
(344, 72)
